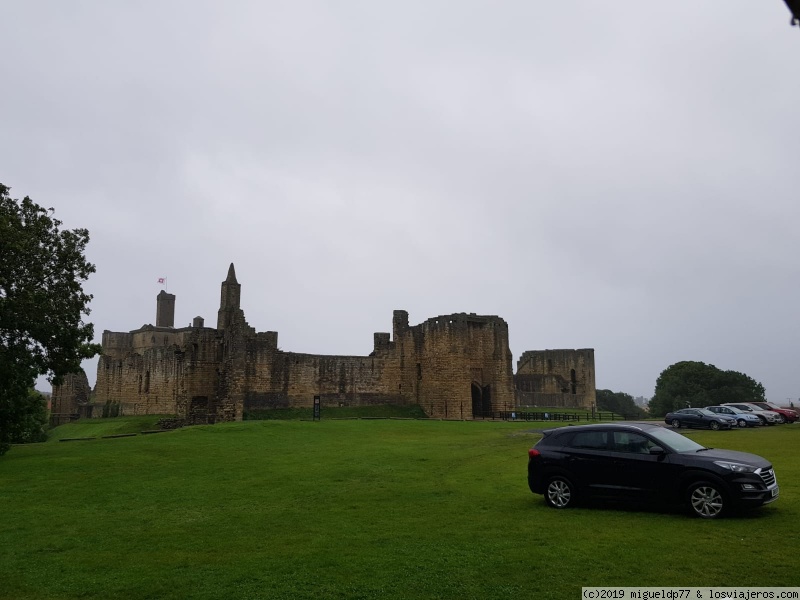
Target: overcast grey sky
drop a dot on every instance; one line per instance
(616, 175)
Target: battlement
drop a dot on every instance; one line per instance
(544, 361)
(382, 342)
(462, 320)
(268, 338)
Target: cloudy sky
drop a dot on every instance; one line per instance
(616, 175)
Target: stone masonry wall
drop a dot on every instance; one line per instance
(160, 379)
(443, 357)
(69, 399)
(559, 378)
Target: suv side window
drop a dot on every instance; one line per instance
(592, 440)
(631, 443)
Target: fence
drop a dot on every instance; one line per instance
(508, 415)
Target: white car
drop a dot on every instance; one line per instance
(768, 417)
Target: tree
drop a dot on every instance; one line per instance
(42, 304)
(692, 383)
(618, 402)
(29, 419)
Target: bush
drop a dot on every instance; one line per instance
(31, 423)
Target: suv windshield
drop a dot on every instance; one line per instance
(675, 441)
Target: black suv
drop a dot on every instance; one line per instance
(647, 463)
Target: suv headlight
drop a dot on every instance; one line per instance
(735, 467)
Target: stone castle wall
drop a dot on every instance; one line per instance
(556, 378)
(152, 371)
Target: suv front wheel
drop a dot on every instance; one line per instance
(559, 493)
(706, 500)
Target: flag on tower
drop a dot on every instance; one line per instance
(162, 280)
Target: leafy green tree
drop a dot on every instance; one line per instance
(42, 304)
(30, 419)
(618, 402)
(692, 383)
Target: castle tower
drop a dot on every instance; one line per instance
(229, 311)
(165, 309)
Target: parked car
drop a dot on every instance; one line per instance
(789, 415)
(768, 417)
(646, 463)
(743, 418)
(699, 417)
(791, 408)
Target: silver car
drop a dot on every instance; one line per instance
(743, 418)
(768, 417)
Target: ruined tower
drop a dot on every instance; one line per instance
(165, 309)
(229, 310)
(557, 378)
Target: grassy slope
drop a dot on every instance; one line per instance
(100, 427)
(355, 509)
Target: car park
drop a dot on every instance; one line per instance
(699, 417)
(768, 417)
(789, 415)
(646, 463)
(743, 418)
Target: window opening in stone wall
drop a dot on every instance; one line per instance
(572, 381)
(419, 371)
(549, 364)
(147, 382)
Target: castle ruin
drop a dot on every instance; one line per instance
(455, 366)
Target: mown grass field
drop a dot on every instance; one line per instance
(354, 509)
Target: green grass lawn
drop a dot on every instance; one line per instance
(344, 412)
(354, 509)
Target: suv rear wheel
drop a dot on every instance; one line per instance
(706, 500)
(559, 493)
